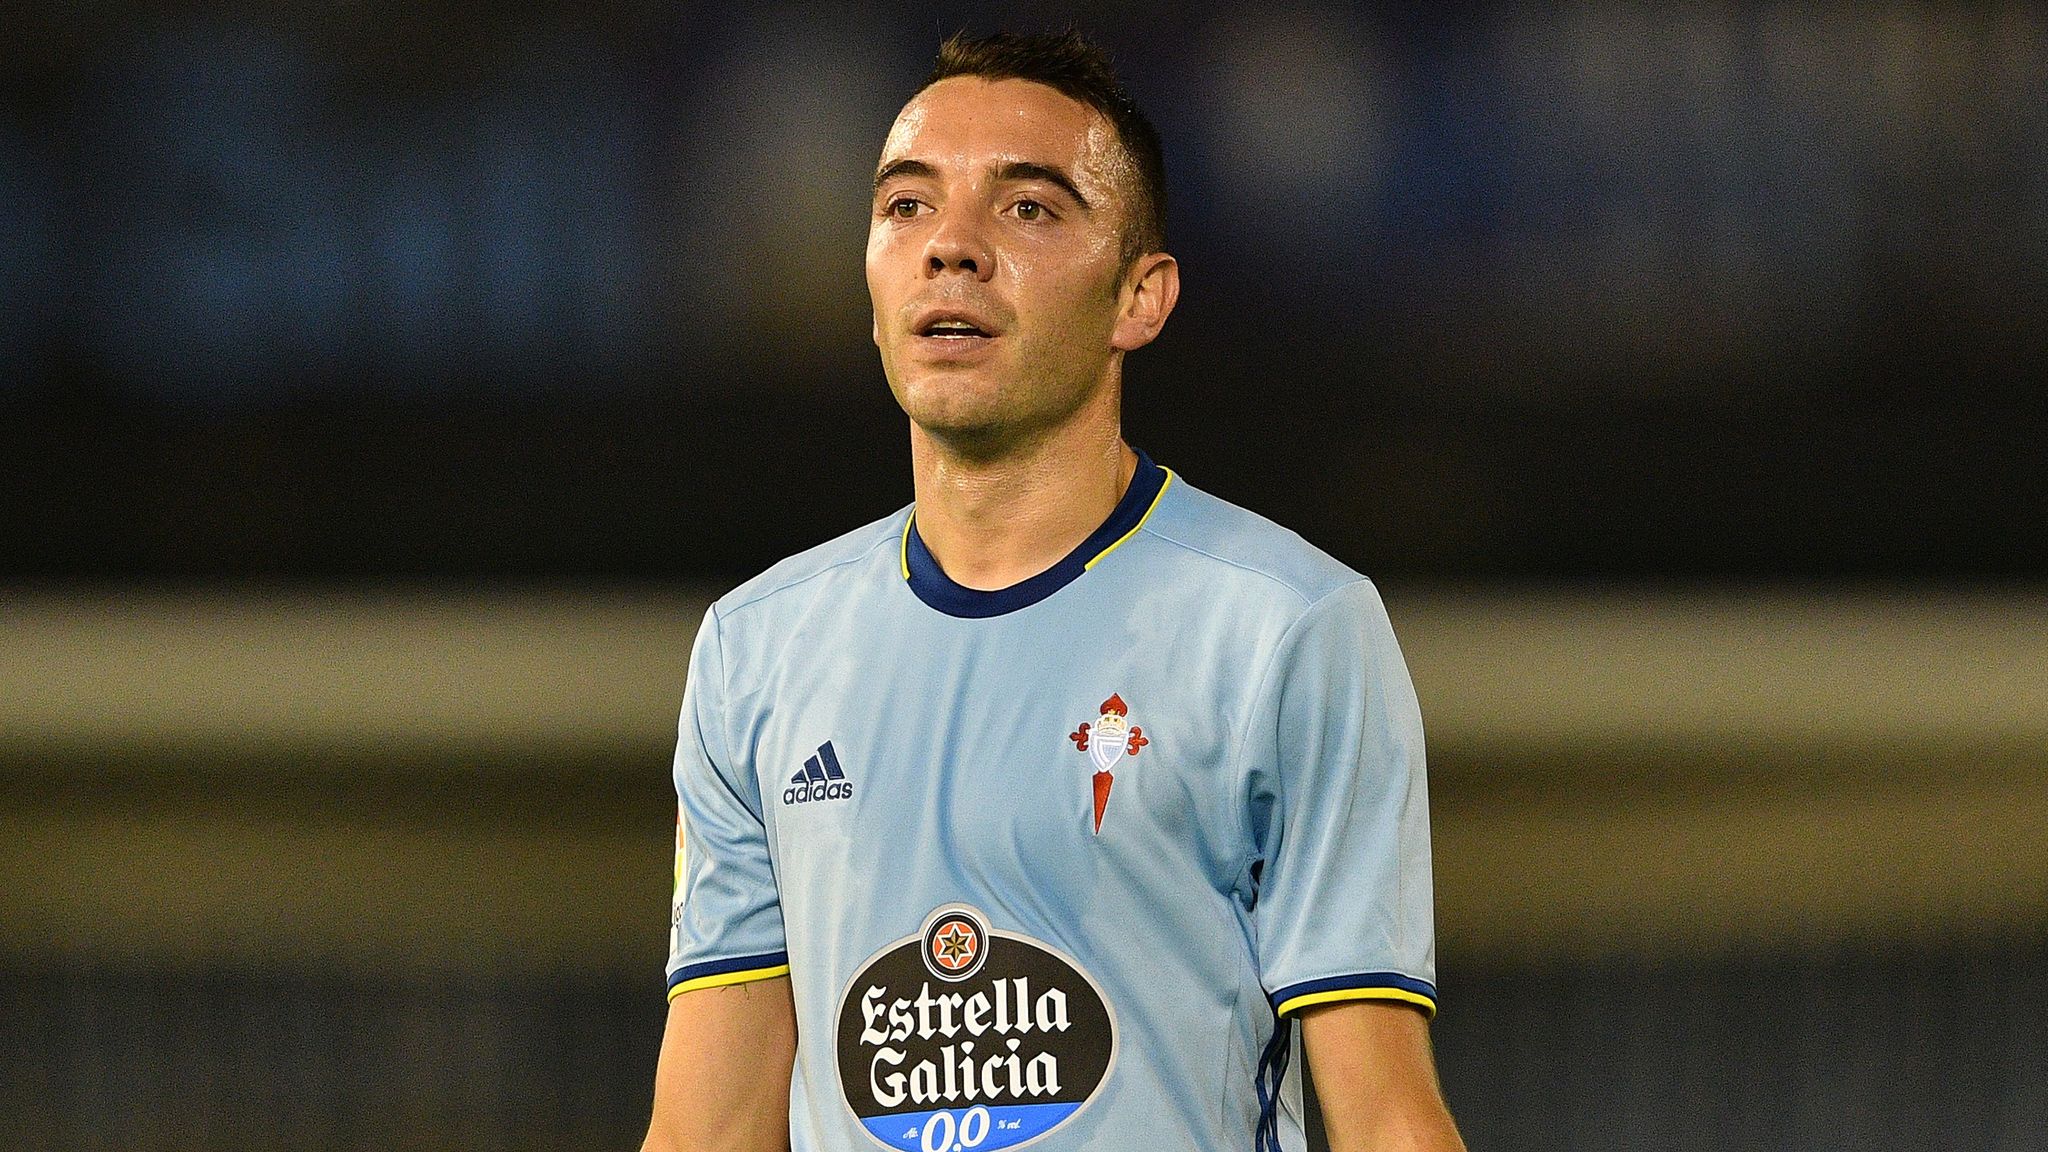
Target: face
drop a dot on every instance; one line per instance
(993, 258)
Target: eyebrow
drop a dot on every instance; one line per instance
(895, 168)
(1015, 170)
(1026, 170)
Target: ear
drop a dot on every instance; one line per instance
(1147, 300)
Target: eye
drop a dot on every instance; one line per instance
(1030, 210)
(902, 207)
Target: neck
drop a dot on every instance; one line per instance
(995, 518)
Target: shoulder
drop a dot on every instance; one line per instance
(820, 569)
(1247, 549)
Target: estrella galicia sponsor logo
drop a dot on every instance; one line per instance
(821, 778)
(963, 1038)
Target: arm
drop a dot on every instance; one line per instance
(723, 1079)
(1376, 1078)
(1345, 911)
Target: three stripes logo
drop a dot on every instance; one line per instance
(821, 778)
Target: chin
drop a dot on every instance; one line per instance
(970, 405)
(959, 424)
(951, 398)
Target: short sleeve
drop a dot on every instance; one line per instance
(1340, 810)
(726, 921)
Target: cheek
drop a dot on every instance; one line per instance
(1075, 283)
(877, 253)
(1103, 247)
(885, 270)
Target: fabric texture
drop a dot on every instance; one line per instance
(1056, 866)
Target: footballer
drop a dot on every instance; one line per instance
(1069, 806)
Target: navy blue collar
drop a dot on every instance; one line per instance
(939, 590)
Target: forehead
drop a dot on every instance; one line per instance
(970, 122)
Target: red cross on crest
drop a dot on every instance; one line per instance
(1109, 739)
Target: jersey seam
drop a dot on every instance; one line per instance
(807, 577)
(723, 769)
(1306, 600)
(727, 770)
(1273, 658)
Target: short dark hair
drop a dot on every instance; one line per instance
(1071, 65)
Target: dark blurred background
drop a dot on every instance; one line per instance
(384, 388)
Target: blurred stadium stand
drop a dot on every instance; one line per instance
(1730, 291)
(384, 388)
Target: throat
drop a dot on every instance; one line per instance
(992, 531)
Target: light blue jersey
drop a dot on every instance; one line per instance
(1055, 863)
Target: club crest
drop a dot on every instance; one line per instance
(1108, 740)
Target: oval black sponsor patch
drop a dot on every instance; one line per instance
(964, 1038)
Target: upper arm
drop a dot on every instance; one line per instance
(723, 1078)
(1375, 1078)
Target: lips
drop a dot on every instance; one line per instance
(954, 324)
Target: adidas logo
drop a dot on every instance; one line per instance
(821, 778)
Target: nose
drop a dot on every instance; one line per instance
(958, 244)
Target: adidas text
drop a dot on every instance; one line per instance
(821, 778)
(831, 790)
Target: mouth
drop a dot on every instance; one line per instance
(953, 327)
(952, 330)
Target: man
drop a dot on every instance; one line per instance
(1043, 809)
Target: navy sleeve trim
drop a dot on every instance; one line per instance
(1357, 986)
(736, 970)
